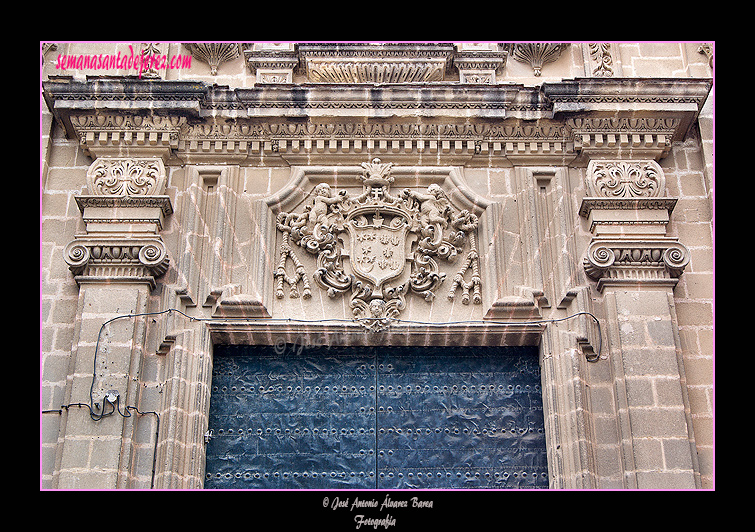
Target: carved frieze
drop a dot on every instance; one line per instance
(643, 137)
(371, 63)
(108, 134)
(384, 263)
(291, 141)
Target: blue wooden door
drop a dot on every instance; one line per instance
(376, 417)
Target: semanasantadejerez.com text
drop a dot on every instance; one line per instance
(140, 62)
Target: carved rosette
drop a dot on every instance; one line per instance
(123, 215)
(377, 224)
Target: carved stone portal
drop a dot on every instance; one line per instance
(385, 232)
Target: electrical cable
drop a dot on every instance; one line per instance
(97, 417)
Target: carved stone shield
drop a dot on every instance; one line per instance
(385, 232)
(378, 245)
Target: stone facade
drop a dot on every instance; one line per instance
(550, 194)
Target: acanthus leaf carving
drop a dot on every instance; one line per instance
(600, 52)
(625, 179)
(379, 224)
(133, 176)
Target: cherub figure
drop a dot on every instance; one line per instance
(433, 206)
(318, 212)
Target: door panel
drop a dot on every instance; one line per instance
(365, 418)
(291, 421)
(460, 418)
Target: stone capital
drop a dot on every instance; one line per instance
(630, 262)
(124, 215)
(628, 216)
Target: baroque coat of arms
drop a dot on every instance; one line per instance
(388, 235)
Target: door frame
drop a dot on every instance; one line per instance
(568, 432)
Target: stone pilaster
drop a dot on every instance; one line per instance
(636, 266)
(115, 262)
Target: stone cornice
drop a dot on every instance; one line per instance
(608, 94)
(670, 99)
(124, 93)
(627, 97)
(381, 101)
(127, 96)
(593, 117)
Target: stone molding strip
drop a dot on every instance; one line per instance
(679, 99)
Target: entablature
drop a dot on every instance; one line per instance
(578, 119)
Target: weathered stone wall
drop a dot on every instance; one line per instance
(641, 416)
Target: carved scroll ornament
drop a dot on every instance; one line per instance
(121, 256)
(630, 261)
(378, 225)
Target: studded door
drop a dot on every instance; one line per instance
(377, 417)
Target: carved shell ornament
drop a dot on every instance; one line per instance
(377, 224)
(213, 53)
(537, 54)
